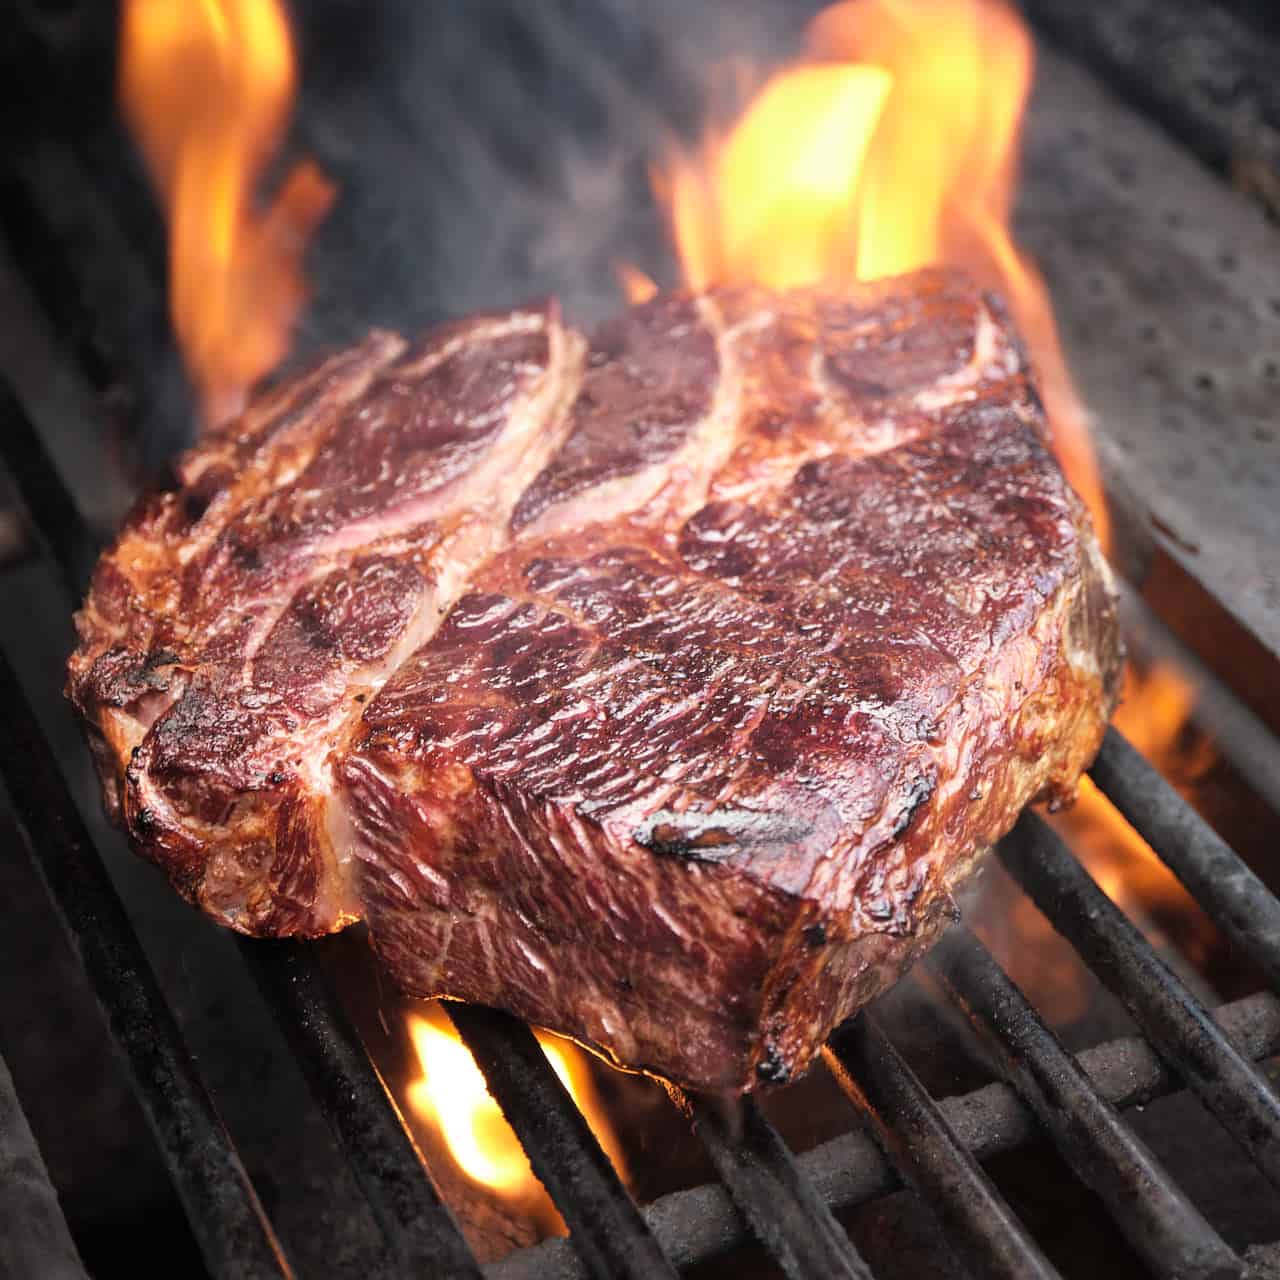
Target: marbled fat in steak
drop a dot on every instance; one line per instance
(659, 689)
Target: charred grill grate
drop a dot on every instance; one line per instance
(784, 1201)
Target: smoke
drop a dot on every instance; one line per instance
(492, 152)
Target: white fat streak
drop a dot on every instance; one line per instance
(710, 447)
(532, 434)
(484, 491)
(341, 546)
(382, 348)
(678, 484)
(993, 357)
(602, 502)
(854, 436)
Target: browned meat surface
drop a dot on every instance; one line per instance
(659, 689)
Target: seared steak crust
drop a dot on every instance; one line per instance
(659, 689)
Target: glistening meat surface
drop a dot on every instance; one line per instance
(659, 688)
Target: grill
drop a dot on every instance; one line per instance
(783, 1202)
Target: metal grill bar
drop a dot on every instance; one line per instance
(1235, 899)
(229, 1225)
(344, 1082)
(424, 1239)
(771, 1191)
(52, 510)
(1170, 1016)
(34, 1238)
(700, 1223)
(928, 1155)
(1157, 1219)
(605, 1227)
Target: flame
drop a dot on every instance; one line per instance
(206, 86)
(1155, 716)
(451, 1096)
(889, 146)
(774, 201)
(637, 286)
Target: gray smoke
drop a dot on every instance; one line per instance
(489, 153)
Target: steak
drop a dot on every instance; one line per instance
(660, 688)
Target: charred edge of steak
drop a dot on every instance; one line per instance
(715, 837)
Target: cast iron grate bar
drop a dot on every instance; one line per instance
(344, 1083)
(928, 1155)
(419, 1229)
(771, 1192)
(1179, 1027)
(57, 521)
(1159, 1222)
(605, 1227)
(226, 1219)
(34, 1237)
(701, 1223)
(1233, 897)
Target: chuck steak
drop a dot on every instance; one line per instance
(659, 688)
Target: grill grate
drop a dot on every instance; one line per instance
(936, 1148)
(610, 1234)
(223, 1208)
(1160, 1223)
(928, 1155)
(423, 1238)
(1176, 1023)
(851, 1170)
(1235, 899)
(784, 1201)
(771, 1193)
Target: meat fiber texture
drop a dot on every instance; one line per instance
(659, 688)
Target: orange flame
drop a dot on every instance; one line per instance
(637, 286)
(452, 1097)
(207, 86)
(890, 146)
(1154, 715)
